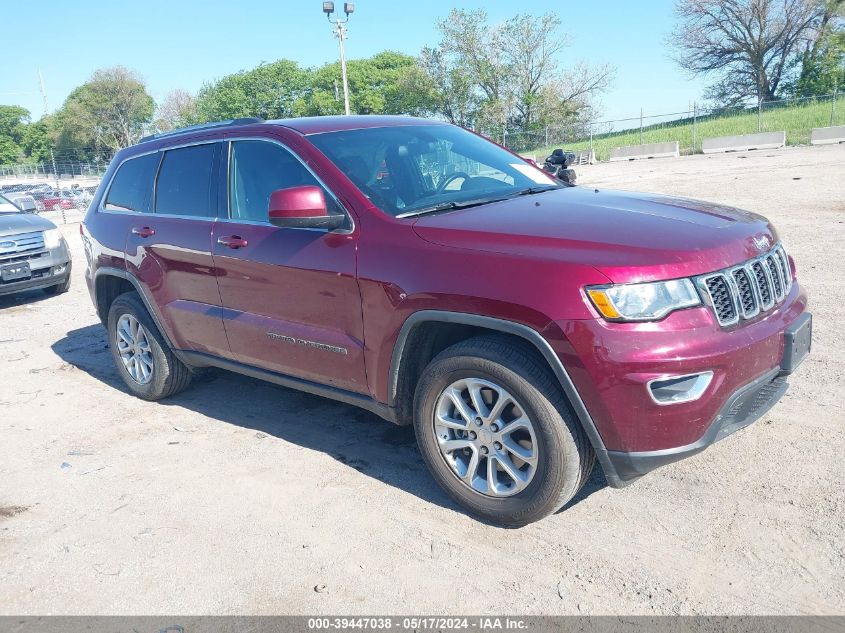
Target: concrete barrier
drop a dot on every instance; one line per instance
(764, 140)
(828, 135)
(649, 150)
(584, 157)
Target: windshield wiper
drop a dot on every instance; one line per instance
(449, 206)
(532, 190)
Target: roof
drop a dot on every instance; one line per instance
(304, 125)
(319, 124)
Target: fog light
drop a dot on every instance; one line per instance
(677, 389)
(58, 270)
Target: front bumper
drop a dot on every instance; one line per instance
(612, 365)
(50, 268)
(746, 406)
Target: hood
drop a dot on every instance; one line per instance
(14, 223)
(627, 236)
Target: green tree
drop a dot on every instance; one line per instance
(822, 64)
(10, 152)
(13, 120)
(270, 91)
(438, 85)
(376, 86)
(110, 111)
(37, 139)
(506, 75)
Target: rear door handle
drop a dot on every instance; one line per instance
(232, 241)
(143, 231)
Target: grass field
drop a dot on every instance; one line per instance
(797, 120)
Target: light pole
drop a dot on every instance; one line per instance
(340, 34)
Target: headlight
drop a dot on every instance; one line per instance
(643, 302)
(52, 238)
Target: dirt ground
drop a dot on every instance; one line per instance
(242, 497)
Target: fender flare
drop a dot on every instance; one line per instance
(110, 271)
(540, 344)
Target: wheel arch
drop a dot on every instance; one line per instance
(109, 283)
(410, 343)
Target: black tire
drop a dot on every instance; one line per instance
(565, 456)
(169, 374)
(59, 288)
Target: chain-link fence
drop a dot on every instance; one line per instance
(60, 188)
(63, 182)
(797, 117)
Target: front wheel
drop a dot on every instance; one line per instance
(496, 433)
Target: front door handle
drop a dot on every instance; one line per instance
(232, 241)
(143, 231)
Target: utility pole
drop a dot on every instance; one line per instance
(641, 126)
(694, 118)
(43, 90)
(340, 34)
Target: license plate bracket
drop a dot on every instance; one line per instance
(797, 342)
(15, 272)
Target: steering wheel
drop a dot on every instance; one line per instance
(453, 176)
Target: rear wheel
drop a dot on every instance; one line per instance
(497, 434)
(143, 359)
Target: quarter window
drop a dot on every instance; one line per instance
(185, 181)
(259, 168)
(131, 186)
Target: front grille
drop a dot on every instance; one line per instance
(21, 247)
(746, 290)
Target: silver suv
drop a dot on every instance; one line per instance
(33, 253)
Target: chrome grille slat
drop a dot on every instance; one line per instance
(749, 289)
(9, 258)
(783, 262)
(745, 292)
(22, 242)
(764, 285)
(776, 275)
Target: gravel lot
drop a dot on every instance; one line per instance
(241, 497)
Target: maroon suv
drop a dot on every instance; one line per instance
(523, 326)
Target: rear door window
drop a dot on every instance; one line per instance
(132, 185)
(185, 182)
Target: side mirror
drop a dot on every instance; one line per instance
(302, 207)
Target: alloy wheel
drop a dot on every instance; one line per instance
(133, 345)
(486, 437)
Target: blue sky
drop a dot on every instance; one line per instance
(183, 43)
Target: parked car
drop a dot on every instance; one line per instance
(33, 253)
(83, 196)
(524, 327)
(58, 200)
(24, 201)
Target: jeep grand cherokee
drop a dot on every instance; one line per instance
(410, 267)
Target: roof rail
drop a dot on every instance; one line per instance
(202, 126)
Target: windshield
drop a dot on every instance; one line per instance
(7, 206)
(414, 169)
